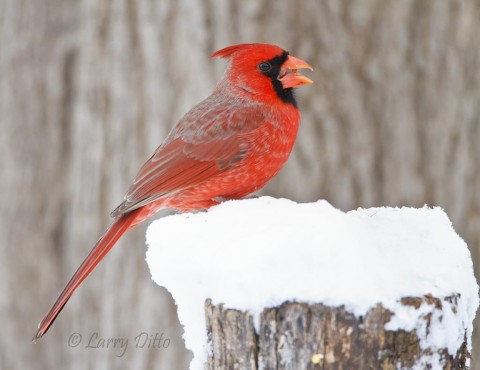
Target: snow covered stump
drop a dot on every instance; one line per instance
(271, 284)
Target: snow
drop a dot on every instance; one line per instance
(258, 253)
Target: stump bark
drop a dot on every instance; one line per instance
(297, 336)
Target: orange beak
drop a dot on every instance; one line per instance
(289, 77)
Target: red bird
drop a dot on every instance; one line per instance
(228, 146)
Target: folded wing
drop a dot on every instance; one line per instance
(198, 148)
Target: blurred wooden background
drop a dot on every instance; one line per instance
(89, 88)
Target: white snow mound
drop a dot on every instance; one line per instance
(258, 253)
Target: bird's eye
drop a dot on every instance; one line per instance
(265, 67)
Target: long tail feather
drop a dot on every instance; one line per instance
(101, 248)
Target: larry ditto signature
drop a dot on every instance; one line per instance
(119, 344)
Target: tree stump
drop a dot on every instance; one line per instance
(296, 336)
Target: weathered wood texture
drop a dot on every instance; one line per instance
(89, 88)
(314, 336)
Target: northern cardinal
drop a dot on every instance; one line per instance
(228, 146)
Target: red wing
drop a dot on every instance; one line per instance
(194, 151)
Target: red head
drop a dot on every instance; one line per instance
(266, 72)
